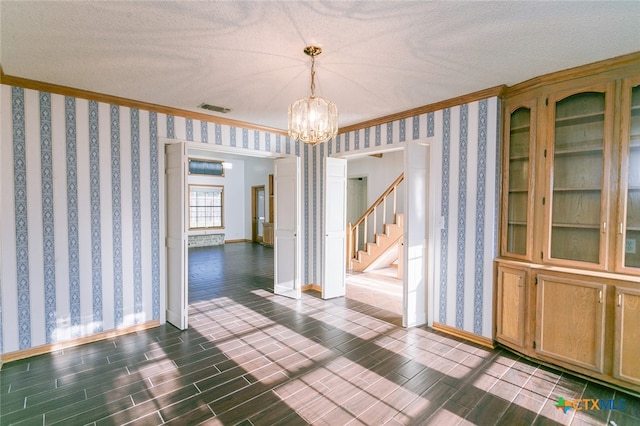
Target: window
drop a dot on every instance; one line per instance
(206, 167)
(205, 206)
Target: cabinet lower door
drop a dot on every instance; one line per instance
(570, 319)
(626, 361)
(510, 312)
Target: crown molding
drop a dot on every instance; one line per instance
(460, 100)
(612, 66)
(109, 99)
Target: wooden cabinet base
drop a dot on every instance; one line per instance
(608, 381)
(584, 322)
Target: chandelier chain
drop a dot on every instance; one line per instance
(313, 76)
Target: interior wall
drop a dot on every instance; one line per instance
(380, 173)
(82, 219)
(464, 182)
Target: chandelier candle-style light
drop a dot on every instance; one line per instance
(314, 119)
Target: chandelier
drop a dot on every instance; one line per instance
(314, 119)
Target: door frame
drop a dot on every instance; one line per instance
(222, 150)
(417, 278)
(425, 287)
(254, 213)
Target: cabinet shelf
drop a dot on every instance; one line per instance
(573, 120)
(517, 223)
(593, 146)
(520, 129)
(519, 157)
(575, 189)
(576, 225)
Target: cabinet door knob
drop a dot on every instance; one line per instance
(600, 296)
(619, 299)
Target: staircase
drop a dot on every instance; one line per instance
(383, 251)
(386, 245)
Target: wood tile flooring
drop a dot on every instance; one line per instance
(252, 358)
(380, 288)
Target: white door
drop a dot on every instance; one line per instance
(335, 212)
(176, 241)
(416, 178)
(287, 235)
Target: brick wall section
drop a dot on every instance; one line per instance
(206, 240)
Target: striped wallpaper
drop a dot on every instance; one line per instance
(464, 176)
(81, 222)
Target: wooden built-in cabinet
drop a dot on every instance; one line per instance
(271, 195)
(267, 238)
(568, 274)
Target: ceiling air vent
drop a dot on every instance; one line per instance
(214, 108)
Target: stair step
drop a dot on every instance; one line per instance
(381, 244)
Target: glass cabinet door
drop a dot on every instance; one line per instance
(631, 227)
(516, 235)
(578, 174)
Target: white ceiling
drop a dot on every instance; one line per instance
(379, 57)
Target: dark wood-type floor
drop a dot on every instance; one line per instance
(252, 358)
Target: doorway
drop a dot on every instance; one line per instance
(257, 213)
(378, 286)
(249, 172)
(356, 199)
(408, 295)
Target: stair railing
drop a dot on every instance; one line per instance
(355, 239)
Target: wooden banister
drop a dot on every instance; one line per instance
(353, 233)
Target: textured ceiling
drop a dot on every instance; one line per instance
(379, 57)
